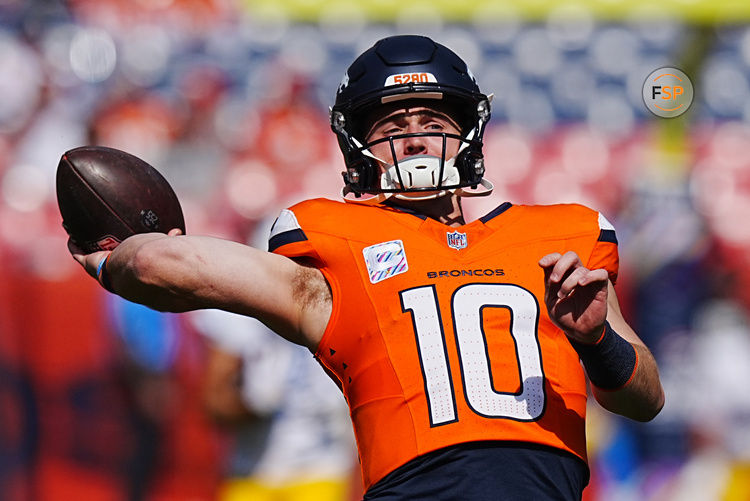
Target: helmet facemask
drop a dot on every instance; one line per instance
(421, 176)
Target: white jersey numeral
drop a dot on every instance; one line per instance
(468, 302)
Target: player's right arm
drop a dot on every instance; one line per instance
(181, 273)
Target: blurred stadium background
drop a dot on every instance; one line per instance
(229, 100)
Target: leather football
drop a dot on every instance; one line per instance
(106, 195)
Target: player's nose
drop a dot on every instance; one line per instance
(416, 145)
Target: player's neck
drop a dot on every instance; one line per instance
(446, 209)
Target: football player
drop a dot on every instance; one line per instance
(463, 348)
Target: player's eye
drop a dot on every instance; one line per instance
(391, 129)
(434, 122)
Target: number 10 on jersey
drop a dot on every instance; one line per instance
(467, 304)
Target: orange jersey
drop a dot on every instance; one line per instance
(439, 335)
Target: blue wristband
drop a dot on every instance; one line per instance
(102, 275)
(611, 362)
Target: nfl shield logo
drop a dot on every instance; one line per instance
(456, 240)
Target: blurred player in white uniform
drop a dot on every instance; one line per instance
(295, 442)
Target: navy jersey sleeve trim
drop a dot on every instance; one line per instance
(608, 236)
(287, 237)
(496, 211)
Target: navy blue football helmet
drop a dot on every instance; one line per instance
(410, 67)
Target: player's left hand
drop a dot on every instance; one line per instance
(576, 297)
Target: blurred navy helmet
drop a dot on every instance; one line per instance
(408, 67)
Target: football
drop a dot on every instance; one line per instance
(106, 195)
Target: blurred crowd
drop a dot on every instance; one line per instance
(230, 104)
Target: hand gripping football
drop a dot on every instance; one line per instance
(106, 195)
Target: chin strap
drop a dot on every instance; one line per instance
(376, 198)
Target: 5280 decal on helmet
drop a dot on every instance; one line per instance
(405, 78)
